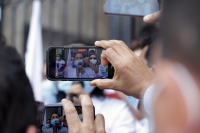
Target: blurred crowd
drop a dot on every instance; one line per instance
(155, 87)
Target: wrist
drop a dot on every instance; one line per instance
(145, 86)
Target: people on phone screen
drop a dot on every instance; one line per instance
(60, 66)
(55, 125)
(81, 67)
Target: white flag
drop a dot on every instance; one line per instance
(34, 52)
(45, 119)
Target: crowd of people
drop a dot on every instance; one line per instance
(164, 78)
(80, 65)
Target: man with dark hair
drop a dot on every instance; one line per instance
(17, 106)
(147, 36)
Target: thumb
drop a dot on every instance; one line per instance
(103, 83)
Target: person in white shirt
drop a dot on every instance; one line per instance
(94, 60)
(118, 117)
(60, 66)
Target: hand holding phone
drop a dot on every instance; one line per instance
(88, 123)
(131, 77)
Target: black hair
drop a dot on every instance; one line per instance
(97, 93)
(92, 52)
(78, 82)
(73, 54)
(180, 25)
(58, 55)
(54, 113)
(79, 53)
(148, 34)
(60, 95)
(17, 105)
(80, 42)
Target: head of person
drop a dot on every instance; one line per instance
(18, 109)
(93, 57)
(180, 25)
(58, 57)
(147, 36)
(54, 116)
(78, 88)
(75, 90)
(78, 59)
(55, 121)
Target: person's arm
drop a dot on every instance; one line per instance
(137, 114)
(88, 62)
(89, 123)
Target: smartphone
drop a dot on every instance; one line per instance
(131, 7)
(52, 118)
(76, 63)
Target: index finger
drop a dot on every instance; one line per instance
(71, 115)
(152, 18)
(87, 109)
(117, 45)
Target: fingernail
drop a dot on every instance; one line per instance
(146, 18)
(80, 96)
(62, 100)
(91, 83)
(96, 42)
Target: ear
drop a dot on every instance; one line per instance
(153, 69)
(31, 129)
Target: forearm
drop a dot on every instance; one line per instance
(94, 67)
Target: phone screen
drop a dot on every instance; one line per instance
(131, 7)
(76, 63)
(52, 119)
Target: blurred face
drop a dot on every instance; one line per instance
(78, 57)
(93, 57)
(54, 116)
(58, 58)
